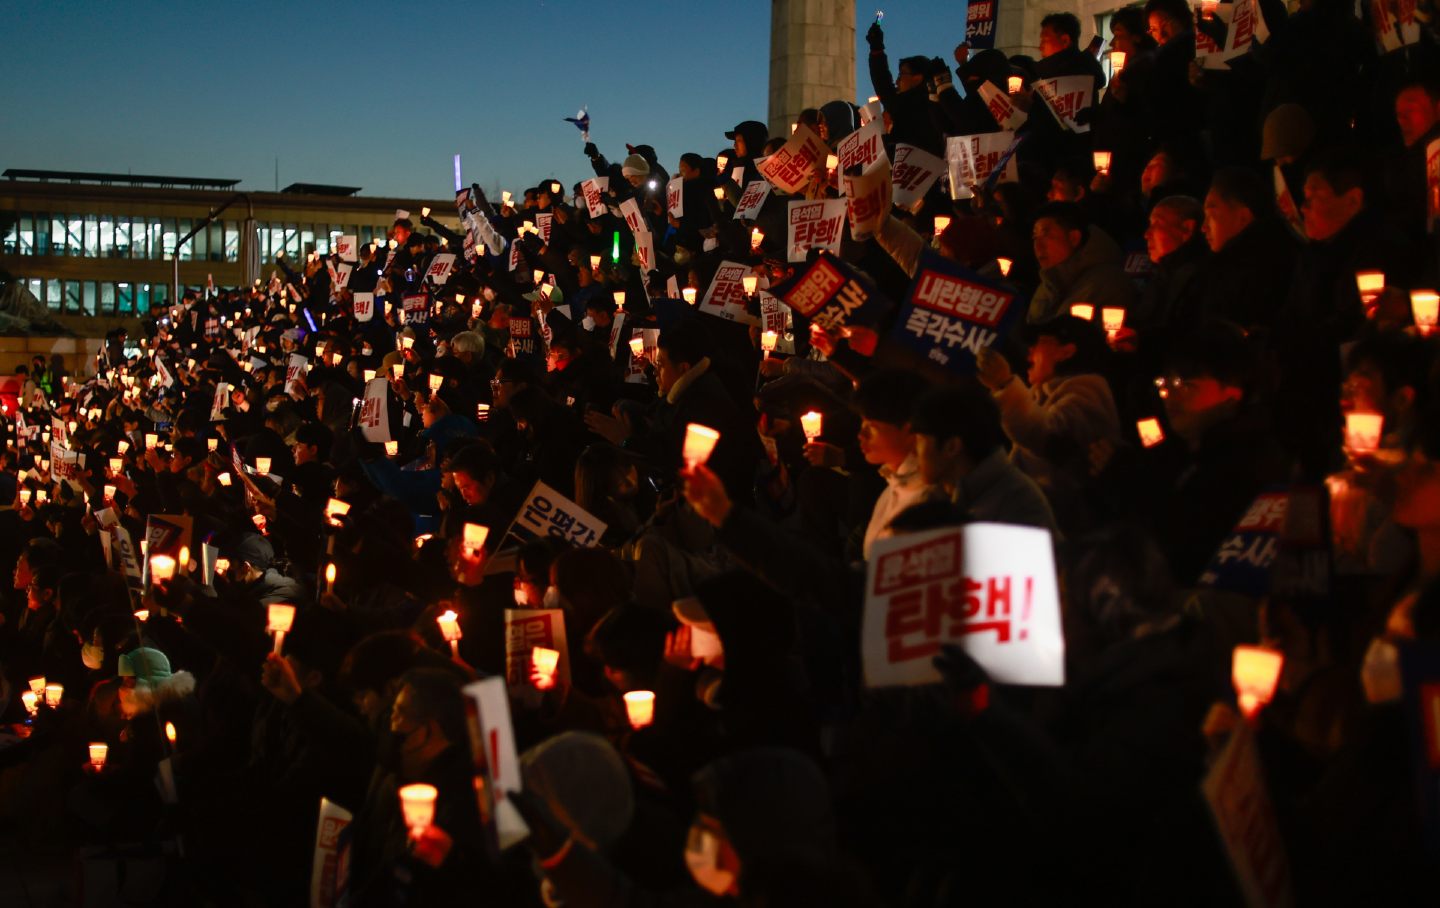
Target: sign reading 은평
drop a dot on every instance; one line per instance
(989, 588)
(548, 513)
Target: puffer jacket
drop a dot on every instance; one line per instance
(1094, 274)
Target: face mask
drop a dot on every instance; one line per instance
(522, 596)
(702, 854)
(1380, 672)
(367, 350)
(93, 656)
(552, 597)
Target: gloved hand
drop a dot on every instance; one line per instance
(875, 37)
(591, 151)
(940, 74)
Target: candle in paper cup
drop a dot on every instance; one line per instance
(221, 566)
(41, 496)
(810, 424)
(143, 615)
(719, 193)
(545, 661)
(330, 577)
(751, 282)
(98, 752)
(699, 443)
(1370, 284)
(170, 734)
(25, 497)
(116, 465)
(538, 276)
(407, 343)
(688, 294)
(335, 509)
(151, 439)
(1117, 60)
(1083, 310)
(425, 211)
(1150, 432)
(1425, 307)
(640, 707)
(1362, 431)
(595, 262)
(223, 479)
(831, 162)
(475, 536)
(212, 444)
(368, 374)
(619, 297)
(281, 616)
(183, 562)
(31, 701)
(1207, 8)
(1255, 672)
(1013, 84)
(1113, 317)
(482, 412)
(757, 236)
(162, 568)
(392, 448)
(1005, 266)
(768, 340)
(417, 803)
(109, 493)
(53, 694)
(942, 223)
(506, 197)
(435, 382)
(262, 465)
(720, 162)
(38, 684)
(397, 370)
(1102, 161)
(449, 623)
(637, 347)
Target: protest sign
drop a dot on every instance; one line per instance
(327, 872)
(295, 369)
(543, 222)
(548, 513)
(1285, 201)
(1244, 560)
(363, 306)
(775, 316)
(220, 401)
(1394, 24)
(1243, 25)
(594, 192)
(440, 268)
(375, 411)
(630, 211)
(793, 166)
(980, 17)
(645, 250)
(1067, 97)
(675, 197)
(952, 313)
(1432, 184)
(347, 246)
(914, 172)
(526, 629)
(416, 308)
(871, 112)
(814, 225)
(988, 587)
(1235, 791)
(1302, 566)
(830, 293)
(725, 297)
(869, 200)
(167, 534)
(752, 200)
(341, 276)
(497, 766)
(1002, 108)
(523, 337)
(972, 161)
(863, 148)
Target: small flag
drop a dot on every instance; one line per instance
(582, 123)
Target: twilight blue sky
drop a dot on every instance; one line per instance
(381, 95)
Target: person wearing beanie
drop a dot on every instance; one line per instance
(636, 170)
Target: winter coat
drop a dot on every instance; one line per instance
(1093, 274)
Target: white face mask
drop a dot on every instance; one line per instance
(367, 350)
(702, 853)
(552, 597)
(522, 596)
(93, 656)
(1380, 672)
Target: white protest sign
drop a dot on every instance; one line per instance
(675, 197)
(645, 250)
(630, 211)
(725, 297)
(1394, 24)
(793, 166)
(775, 316)
(363, 305)
(863, 148)
(871, 113)
(1243, 27)
(971, 160)
(868, 197)
(526, 629)
(1002, 108)
(295, 370)
(1235, 791)
(548, 513)
(340, 276)
(220, 401)
(1066, 97)
(988, 587)
(326, 872)
(496, 762)
(914, 172)
(752, 200)
(594, 191)
(375, 411)
(347, 246)
(440, 268)
(814, 225)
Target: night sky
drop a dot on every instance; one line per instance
(382, 95)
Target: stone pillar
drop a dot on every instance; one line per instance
(812, 57)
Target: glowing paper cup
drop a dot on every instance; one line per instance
(768, 340)
(1113, 317)
(751, 283)
(545, 661)
(53, 694)
(757, 237)
(417, 803)
(1370, 284)
(1014, 84)
(281, 617)
(262, 465)
(637, 347)
(811, 423)
(688, 294)
(1117, 60)
(392, 448)
(450, 629)
(335, 509)
(31, 700)
(1362, 432)
(640, 707)
(1083, 310)
(162, 568)
(151, 440)
(98, 752)
(330, 572)
(1102, 161)
(1425, 307)
(1255, 671)
(475, 536)
(1150, 432)
(700, 441)
(38, 684)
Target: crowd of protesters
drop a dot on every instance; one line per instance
(770, 773)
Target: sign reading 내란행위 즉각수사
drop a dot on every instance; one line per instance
(952, 313)
(989, 588)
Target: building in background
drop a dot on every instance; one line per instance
(812, 57)
(102, 246)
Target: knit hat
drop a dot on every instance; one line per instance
(584, 783)
(1289, 130)
(635, 166)
(144, 665)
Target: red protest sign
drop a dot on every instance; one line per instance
(915, 171)
(869, 200)
(594, 191)
(525, 629)
(1001, 107)
(363, 306)
(792, 167)
(725, 297)
(440, 268)
(814, 225)
(831, 294)
(543, 222)
(863, 148)
(1066, 97)
(989, 588)
(675, 197)
(752, 200)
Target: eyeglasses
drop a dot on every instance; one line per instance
(1166, 384)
